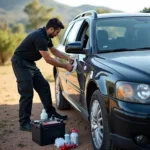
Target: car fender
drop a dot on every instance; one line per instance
(104, 81)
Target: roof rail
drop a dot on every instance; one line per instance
(92, 12)
(147, 11)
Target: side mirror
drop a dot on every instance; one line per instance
(75, 48)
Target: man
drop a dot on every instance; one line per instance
(34, 47)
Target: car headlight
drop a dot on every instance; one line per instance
(133, 92)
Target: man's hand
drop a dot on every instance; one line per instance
(71, 61)
(69, 67)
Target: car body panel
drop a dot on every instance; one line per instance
(133, 65)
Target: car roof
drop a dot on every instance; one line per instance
(107, 15)
(95, 15)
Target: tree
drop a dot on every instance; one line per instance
(146, 10)
(37, 14)
(19, 28)
(102, 11)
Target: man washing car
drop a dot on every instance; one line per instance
(34, 47)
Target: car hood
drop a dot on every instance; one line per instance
(130, 63)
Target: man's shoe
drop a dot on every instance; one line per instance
(58, 116)
(26, 127)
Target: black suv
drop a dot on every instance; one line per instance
(111, 85)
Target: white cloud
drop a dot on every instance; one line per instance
(124, 5)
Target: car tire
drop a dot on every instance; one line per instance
(100, 134)
(61, 102)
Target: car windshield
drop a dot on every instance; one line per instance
(123, 34)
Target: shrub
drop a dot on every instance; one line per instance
(8, 43)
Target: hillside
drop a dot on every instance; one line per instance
(9, 9)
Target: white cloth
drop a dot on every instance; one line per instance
(59, 142)
(74, 58)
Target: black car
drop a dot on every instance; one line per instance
(111, 85)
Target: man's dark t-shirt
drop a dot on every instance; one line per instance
(30, 46)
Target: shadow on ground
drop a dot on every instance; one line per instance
(12, 138)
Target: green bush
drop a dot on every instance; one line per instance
(8, 43)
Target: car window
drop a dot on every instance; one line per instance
(123, 33)
(66, 33)
(86, 43)
(71, 37)
(114, 32)
(85, 36)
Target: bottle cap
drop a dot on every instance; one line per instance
(75, 130)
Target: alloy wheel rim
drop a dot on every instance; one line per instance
(57, 89)
(96, 124)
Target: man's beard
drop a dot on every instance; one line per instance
(51, 36)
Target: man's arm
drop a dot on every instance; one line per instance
(59, 54)
(54, 62)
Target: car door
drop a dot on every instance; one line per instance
(69, 37)
(76, 80)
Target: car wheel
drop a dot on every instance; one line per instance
(99, 124)
(61, 102)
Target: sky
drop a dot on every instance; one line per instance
(123, 5)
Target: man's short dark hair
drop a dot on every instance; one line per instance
(55, 23)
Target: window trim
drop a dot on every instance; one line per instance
(72, 28)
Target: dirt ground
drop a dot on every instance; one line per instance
(11, 138)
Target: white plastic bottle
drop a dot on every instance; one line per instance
(74, 137)
(44, 115)
(67, 139)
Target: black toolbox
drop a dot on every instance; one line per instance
(44, 133)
